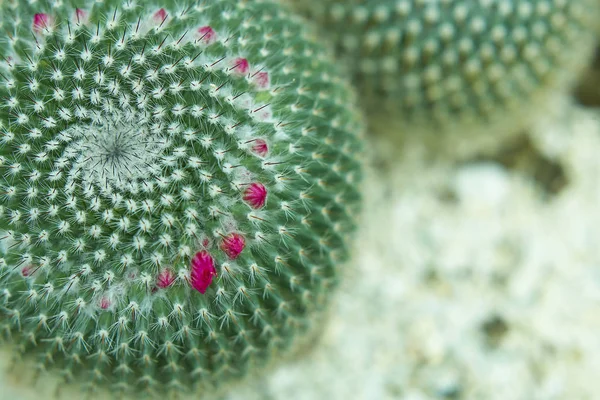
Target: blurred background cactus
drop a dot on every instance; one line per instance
(448, 64)
(588, 88)
(180, 181)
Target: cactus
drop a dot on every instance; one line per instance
(180, 181)
(444, 62)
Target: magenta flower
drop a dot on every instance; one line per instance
(160, 16)
(165, 278)
(207, 34)
(40, 22)
(240, 66)
(233, 245)
(203, 271)
(256, 195)
(260, 147)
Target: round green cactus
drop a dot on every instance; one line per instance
(180, 181)
(447, 61)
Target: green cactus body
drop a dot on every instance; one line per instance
(442, 62)
(179, 181)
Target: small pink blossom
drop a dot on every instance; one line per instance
(27, 271)
(104, 303)
(165, 278)
(160, 16)
(255, 195)
(233, 245)
(240, 66)
(81, 16)
(207, 34)
(261, 79)
(203, 271)
(260, 147)
(41, 22)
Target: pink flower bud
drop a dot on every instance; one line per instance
(233, 245)
(255, 195)
(207, 34)
(260, 147)
(160, 16)
(41, 22)
(165, 278)
(203, 271)
(104, 303)
(27, 271)
(240, 66)
(261, 79)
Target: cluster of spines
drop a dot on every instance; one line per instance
(217, 250)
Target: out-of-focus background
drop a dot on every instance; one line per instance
(475, 276)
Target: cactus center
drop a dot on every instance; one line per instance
(114, 152)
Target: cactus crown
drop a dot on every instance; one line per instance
(179, 180)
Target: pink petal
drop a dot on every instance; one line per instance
(27, 271)
(233, 245)
(160, 16)
(207, 34)
(165, 278)
(260, 147)
(261, 79)
(104, 303)
(40, 22)
(203, 271)
(255, 195)
(240, 66)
